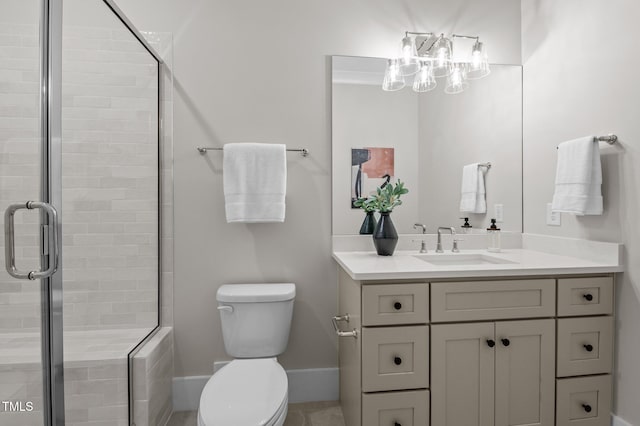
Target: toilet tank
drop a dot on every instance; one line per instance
(256, 318)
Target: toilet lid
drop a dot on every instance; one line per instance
(246, 392)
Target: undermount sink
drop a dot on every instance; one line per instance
(462, 259)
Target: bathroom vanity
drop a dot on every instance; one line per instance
(520, 338)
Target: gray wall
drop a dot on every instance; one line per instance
(260, 72)
(578, 82)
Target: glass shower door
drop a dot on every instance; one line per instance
(25, 242)
(79, 181)
(109, 207)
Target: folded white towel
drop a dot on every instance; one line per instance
(255, 182)
(578, 178)
(472, 198)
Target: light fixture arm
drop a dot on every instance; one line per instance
(427, 37)
(476, 38)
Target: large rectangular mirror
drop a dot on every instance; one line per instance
(425, 139)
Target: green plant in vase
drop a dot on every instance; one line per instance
(385, 236)
(369, 222)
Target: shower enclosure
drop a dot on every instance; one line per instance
(81, 185)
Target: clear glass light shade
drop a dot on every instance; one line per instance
(479, 65)
(441, 55)
(457, 80)
(408, 60)
(424, 80)
(393, 80)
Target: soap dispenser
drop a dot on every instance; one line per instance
(466, 226)
(493, 237)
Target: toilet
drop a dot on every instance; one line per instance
(252, 390)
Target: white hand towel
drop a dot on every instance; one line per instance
(472, 199)
(578, 178)
(255, 182)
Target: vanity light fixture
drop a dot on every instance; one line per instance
(429, 56)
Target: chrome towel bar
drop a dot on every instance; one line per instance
(203, 150)
(610, 139)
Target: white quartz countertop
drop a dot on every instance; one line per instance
(367, 265)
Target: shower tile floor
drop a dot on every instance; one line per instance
(326, 413)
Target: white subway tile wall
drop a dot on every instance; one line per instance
(110, 180)
(19, 169)
(110, 177)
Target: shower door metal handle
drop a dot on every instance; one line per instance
(49, 235)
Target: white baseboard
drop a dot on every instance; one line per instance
(314, 384)
(617, 421)
(186, 392)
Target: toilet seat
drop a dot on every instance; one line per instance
(246, 392)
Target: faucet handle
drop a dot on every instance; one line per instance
(455, 245)
(423, 244)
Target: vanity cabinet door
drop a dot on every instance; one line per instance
(525, 373)
(462, 374)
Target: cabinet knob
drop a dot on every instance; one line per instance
(505, 342)
(396, 424)
(586, 407)
(491, 343)
(397, 360)
(397, 307)
(588, 297)
(588, 347)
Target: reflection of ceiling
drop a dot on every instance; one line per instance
(358, 70)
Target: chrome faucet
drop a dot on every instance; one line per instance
(455, 241)
(423, 242)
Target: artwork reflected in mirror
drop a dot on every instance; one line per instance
(430, 137)
(371, 168)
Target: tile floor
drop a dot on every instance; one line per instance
(326, 413)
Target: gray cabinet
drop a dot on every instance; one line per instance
(476, 353)
(525, 373)
(500, 373)
(462, 364)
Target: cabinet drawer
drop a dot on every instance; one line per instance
(489, 300)
(585, 346)
(392, 304)
(395, 358)
(585, 296)
(409, 408)
(583, 401)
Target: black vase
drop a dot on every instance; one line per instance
(385, 237)
(368, 224)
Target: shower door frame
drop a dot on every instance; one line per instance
(51, 24)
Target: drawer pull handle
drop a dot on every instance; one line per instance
(586, 407)
(505, 342)
(588, 348)
(397, 360)
(588, 297)
(397, 307)
(491, 343)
